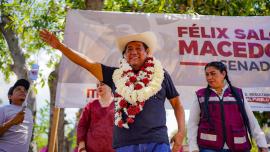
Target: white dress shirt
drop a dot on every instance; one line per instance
(194, 119)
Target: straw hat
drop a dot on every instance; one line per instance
(149, 38)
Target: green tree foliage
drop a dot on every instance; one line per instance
(26, 18)
(20, 22)
(263, 117)
(5, 58)
(203, 7)
(233, 7)
(42, 126)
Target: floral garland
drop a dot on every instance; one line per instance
(133, 89)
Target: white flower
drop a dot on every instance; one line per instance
(117, 120)
(125, 125)
(150, 68)
(133, 96)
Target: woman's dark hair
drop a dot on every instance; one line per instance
(222, 67)
(144, 45)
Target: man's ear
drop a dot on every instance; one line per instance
(149, 54)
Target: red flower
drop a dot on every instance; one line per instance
(138, 87)
(129, 71)
(126, 72)
(116, 95)
(119, 112)
(142, 103)
(137, 109)
(120, 123)
(149, 59)
(145, 81)
(133, 110)
(149, 64)
(130, 120)
(149, 72)
(127, 83)
(123, 103)
(133, 79)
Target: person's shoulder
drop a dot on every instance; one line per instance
(93, 101)
(200, 91)
(108, 67)
(2, 107)
(165, 72)
(236, 88)
(166, 75)
(6, 106)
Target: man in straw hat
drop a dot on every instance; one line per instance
(140, 86)
(16, 122)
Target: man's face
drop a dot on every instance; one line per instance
(18, 95)
(135, 54)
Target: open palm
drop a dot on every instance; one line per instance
(49, 38)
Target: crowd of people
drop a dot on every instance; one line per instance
(129, 114)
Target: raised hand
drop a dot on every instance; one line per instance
(49, 38)
(18, 118)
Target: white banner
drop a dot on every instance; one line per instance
(186, 44)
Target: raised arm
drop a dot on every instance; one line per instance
(76, 57)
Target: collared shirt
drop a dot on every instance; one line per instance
(194, 119)
(16, 138)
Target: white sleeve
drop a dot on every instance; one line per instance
(256, 131)
(192, 127)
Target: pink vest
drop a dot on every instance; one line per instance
(226, 123)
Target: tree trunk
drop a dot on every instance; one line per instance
(190, 3)
(94, 4)
(61, 131)
(53, 79)
(19, 64)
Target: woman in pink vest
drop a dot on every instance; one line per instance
(220, 120)
(94, 132)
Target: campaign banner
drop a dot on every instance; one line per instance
(258, 98)
(186, 44)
